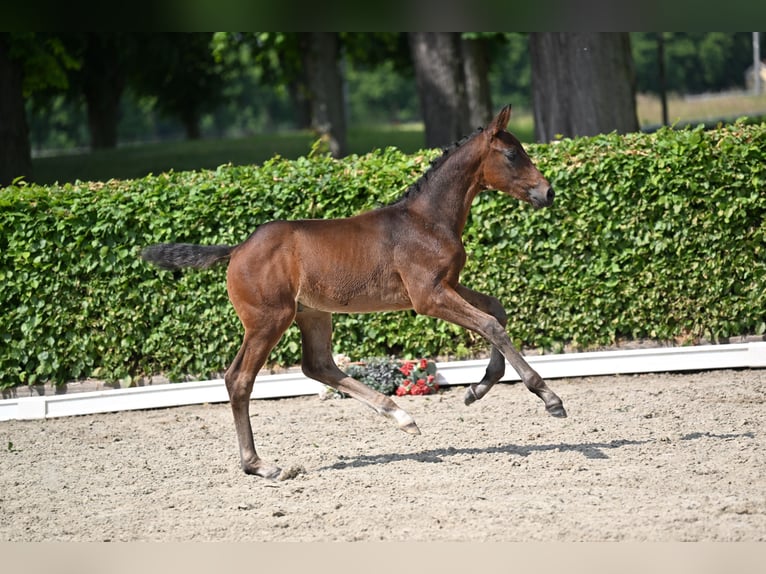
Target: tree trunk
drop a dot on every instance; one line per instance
(320, 52)
(582, 84)
(297, 89)
(103, 84)
(190, 121)
(440, 79)
(15, 156)
(103, 102)
(300, 104)
(662, 77)
(476, 70)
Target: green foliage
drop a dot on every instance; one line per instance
(695, 62)
(181, 71)
(652, 236)
(44, 58)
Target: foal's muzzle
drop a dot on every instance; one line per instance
(542, 197)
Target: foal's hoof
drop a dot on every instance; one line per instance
(410, 428)
(470, 396)
(264, 471)
(557, 411)
(405, 421)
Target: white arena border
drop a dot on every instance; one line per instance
(663, 359)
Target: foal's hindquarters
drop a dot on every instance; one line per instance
(266, 308)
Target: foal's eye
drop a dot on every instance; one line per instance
(511, 154)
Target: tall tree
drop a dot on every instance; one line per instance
(440, 78)
(307, 66)
(30, 62)
(582, 84)
(103, 83)
(15, 158)
(379, 77)
(473, 49)
(320, 53)
(695, 62)
(101, 80)
(180, 70)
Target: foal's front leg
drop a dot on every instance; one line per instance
(496, 366)
(445, 303)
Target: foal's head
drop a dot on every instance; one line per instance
(507, 167)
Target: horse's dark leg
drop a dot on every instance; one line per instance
(496, 367)
(445, 303)
(317, 363)
(239, 383)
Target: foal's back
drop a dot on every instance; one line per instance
(346, 265)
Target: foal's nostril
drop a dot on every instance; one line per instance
(550, 195)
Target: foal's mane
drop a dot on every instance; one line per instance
(447, 152)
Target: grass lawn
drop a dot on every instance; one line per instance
(702, 109)
(135, 161)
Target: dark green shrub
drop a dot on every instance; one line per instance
(652, 236)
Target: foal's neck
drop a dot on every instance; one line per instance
(449, 191)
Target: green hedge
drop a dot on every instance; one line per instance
(652, 236)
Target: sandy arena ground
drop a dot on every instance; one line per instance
(662, 457)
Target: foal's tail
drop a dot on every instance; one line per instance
(174, 256)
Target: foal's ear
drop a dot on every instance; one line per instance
(500, 122)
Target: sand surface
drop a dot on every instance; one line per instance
(661, 457)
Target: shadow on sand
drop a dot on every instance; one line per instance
(592, 450)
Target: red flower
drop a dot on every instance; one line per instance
(402, 390)
(423, 364)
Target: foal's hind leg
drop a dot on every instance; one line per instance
(317, 363)
(239, 383)
(496, 367)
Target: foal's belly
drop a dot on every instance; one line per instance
(358, 305)
(354, 294)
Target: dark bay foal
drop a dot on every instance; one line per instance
(407, 255)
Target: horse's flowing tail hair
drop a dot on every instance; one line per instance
(174, 256)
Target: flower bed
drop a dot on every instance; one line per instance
(393, 376)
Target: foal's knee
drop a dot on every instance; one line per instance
(494, 330)
(238, 390)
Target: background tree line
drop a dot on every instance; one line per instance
(97, 89)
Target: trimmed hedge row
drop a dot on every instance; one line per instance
(652, 236)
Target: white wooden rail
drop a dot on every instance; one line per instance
(664, 359)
